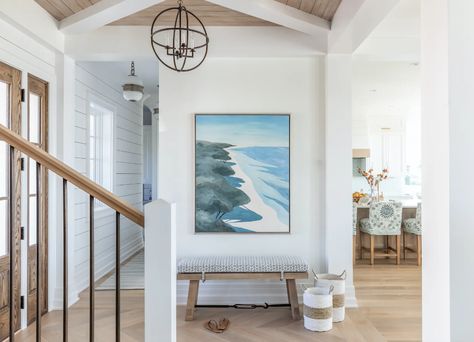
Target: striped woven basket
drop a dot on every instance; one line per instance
(326, 280)
(318, 308)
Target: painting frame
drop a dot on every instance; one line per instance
(194, 139)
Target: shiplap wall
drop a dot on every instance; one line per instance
(127, 183)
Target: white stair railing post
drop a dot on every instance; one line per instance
(160, 272)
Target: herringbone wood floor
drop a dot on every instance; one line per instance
(390, 310)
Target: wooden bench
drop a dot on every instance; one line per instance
(195, 277)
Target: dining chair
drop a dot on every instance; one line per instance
(413, 226)
(385, 219)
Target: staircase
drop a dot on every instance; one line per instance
(48, 163)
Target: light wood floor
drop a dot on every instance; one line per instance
(389, 297)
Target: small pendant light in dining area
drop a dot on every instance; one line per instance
(133, 86)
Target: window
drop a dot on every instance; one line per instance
(34, 134)
(101, 135)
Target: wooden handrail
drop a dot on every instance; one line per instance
(61, 169)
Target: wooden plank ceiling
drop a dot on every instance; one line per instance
(210, 14)
(321, 8)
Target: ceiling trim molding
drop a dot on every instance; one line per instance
(102, 13)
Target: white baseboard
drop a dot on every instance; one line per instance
(350, 297)
(128, 250)
(57, 302)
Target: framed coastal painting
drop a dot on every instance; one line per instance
(242, 173)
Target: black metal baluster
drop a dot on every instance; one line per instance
(11, 247)
(91, 270)
(39, 244)
(117, 276)
(65, 263)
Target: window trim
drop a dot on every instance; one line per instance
(92, 97)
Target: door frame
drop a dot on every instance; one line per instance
(12, 76)
(41, 88)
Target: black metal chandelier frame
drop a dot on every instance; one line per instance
(183, 50)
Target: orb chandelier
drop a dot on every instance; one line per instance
(183, 46)
(133, 87)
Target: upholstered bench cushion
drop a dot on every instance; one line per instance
(240, 264)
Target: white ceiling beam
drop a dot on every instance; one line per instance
(354, 21)
(278, 13)
(102, 13)
(234, 41)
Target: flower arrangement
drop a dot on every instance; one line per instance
(374, 180)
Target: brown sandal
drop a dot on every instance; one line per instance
(224, 324)
(213, 326)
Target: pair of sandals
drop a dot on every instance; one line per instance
(217, 327)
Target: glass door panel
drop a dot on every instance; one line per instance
(4, 164)
(32, 210)
(34, 118)
(37, 122)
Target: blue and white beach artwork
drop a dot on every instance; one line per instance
(242, 173)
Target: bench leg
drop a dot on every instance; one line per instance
(192, 299)
(293, 298)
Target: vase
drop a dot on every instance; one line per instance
(373, 196)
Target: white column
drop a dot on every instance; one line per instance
(64, 125)
(447, 141)
(338, 214)
(160, 271)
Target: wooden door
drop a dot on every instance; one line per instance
(10, 116)
(37, 134)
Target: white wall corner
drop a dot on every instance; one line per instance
(160, 271)
(65, 103)
(435, 154)
(338, 214)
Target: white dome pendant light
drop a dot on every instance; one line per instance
(133, 87)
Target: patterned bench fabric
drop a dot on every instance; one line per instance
(241, 264)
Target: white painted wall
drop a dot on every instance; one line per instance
(273, 85)
(128, 176)
(338, 170)
(461, 121)
(447, 123)
(436, 175)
